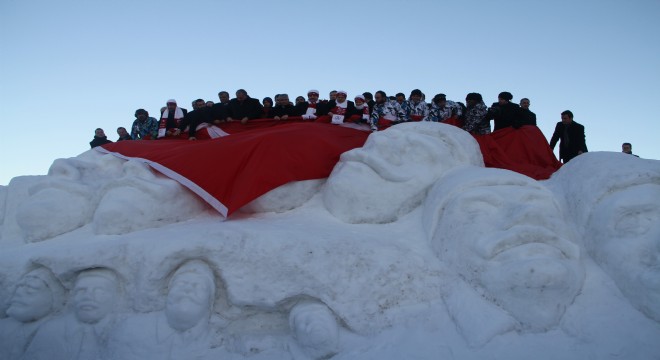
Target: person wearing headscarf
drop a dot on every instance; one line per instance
(340, 108)
(313, 107)
(360, 113)
(170, 119)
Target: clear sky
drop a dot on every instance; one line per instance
(68, 67)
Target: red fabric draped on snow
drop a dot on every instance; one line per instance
(231, 171)
(523, 150)
(454, 120)
(235, 126)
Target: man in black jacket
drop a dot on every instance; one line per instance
(572, 137)
(99, 138)
(283, 109)
(123, 134)
(505, 113)
(528, 117)
(313, 107)
(243, 108)
(200, 114)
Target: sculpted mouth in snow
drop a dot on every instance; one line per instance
(88, 306)
(531, 241)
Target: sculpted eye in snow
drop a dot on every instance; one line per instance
(635, 223)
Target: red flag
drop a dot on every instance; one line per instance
(523, 150)
(231, 171)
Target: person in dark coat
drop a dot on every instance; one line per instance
(369, 98)
(243, 108)
(626, 148)
(200, 114)
(267, 108)
(505, 113)
(340, 108)
(99, 138)
(283, 109)
(123, 134)
(572, 137)
(528, 117)
(313, 107)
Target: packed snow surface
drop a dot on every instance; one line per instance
(411, 249)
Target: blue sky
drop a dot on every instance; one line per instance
(68, 67)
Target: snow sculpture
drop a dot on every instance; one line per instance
(390, 174)
(190, 297)
(315, 329)
(615, 198)
(55, 208)
(65, 199)
(140, 199)
(38, 294)
(115, 195)
(183, 329)
(83, 334)
(504, 234)
(3, 206)
(286, 197)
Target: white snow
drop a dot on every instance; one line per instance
(410, 250)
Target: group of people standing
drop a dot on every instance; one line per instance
(378, 112)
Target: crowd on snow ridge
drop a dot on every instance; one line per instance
(378, 112)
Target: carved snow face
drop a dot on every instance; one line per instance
(623, 236)
(94, 297)
(189, 300)
(390, 174)
(511, 241)
(31, 301)
(315, 328)
(54, 210)
(135, 201)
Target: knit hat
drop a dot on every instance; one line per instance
(171, 101)
(313, 91)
